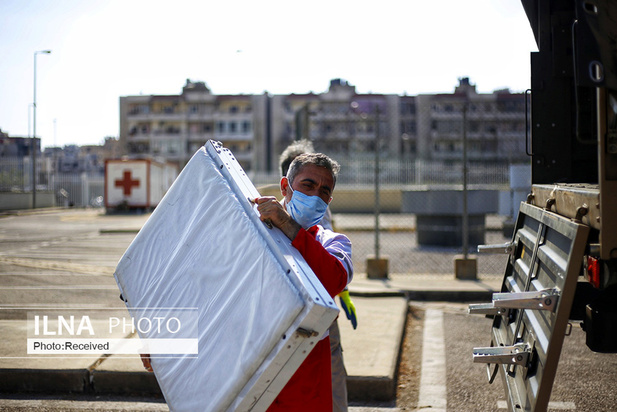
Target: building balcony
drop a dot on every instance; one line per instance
(438, 115)
(204, 116)
(234, 137)
(159, 117)
(139, 117)
(167, 134)
(453, 135)
(511, 116)
(511, 135)
(200, 136)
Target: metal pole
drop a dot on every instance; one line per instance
(305, 122)
(34, 139)
(34, 132)
(465, 209)
(377, 181)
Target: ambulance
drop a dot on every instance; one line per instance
(136, 184)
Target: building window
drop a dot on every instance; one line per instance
(232, 127)
(246, 126)
(220, 127)
(408, 108)
(448, 126)
(408, 127)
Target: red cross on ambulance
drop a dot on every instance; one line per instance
(126, 183)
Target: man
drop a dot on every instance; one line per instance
(339, 373)
(307, 191)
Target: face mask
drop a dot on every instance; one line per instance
(306, 210)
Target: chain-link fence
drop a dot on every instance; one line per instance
(438, 173)
(80, 190)
(85, 189)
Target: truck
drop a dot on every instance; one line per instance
(562, 258)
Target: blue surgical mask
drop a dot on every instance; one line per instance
(306, 210)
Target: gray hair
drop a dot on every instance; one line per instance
(294, 149)
(317, 159)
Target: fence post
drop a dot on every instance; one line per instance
(84, 190)
(465, 267)
(376, 266)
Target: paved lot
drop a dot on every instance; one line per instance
(67, 258)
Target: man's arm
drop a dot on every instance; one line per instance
(329, 270)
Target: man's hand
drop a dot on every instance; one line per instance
(271, 210)
(145, 359)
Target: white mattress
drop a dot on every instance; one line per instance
(204, 252)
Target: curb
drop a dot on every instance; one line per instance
(459, 296)
(450, 296)
(81, 381)
(125, 383)
(380, 388)
(44, 380)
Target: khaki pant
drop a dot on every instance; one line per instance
(339, 374)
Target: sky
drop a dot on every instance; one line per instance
(104, 49)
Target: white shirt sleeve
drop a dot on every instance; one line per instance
(339, 246)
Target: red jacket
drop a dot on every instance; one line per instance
(310, 388)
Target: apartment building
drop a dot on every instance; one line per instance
(340, 122)
(13, 146)
(174, 127)
(493, 125)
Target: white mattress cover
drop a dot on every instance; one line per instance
(205, 248)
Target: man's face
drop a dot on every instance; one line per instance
(311, 180)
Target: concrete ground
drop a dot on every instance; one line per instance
(68, 257)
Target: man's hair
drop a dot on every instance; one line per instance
(294, 149)
(317, 159)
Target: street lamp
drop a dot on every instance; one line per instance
(34, 131)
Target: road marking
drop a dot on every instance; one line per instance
(58, 265)
(59, 287)
(551, 405)
(432, 395)
(85, 405)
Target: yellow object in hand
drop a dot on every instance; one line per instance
(348, 307)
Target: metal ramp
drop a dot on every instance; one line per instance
(531, 313)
